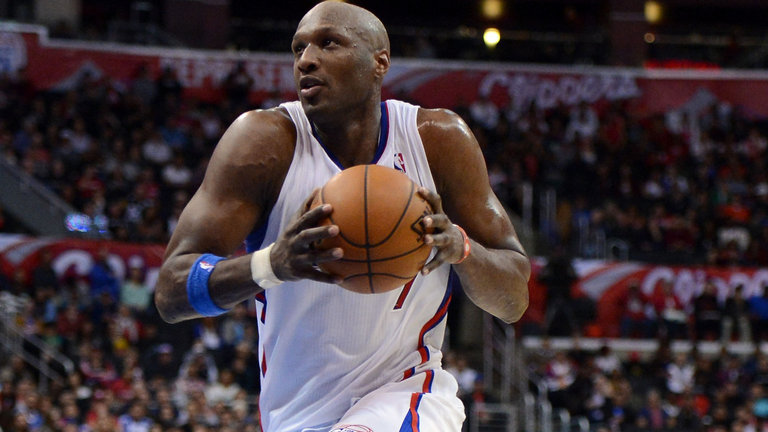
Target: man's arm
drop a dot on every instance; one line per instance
(495, 274)
(242, 182)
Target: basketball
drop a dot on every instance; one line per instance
(378, 212)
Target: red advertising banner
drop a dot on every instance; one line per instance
(75, 257)
(58, 64)
(606, 284)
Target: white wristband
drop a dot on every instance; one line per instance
(261, 268)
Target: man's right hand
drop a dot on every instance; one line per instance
(293, 255)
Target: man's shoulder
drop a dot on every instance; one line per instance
(276, 118)
(267, 131)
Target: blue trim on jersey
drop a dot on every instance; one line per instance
(446, 298)
(406, 426)
(256, 237)
(262, 298)
(383, 135)
(454, 283)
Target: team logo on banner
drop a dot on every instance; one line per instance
(13, 52)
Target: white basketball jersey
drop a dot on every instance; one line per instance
(321, 347)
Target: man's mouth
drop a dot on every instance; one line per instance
(309, 86)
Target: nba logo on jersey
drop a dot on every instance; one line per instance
(205, 265)
(399, 162)
(352, 428)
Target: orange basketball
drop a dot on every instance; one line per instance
(378, 212)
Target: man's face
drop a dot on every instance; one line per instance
(333, 67)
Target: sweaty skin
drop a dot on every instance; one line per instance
(341, 54)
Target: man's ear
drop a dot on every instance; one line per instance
(382, 62)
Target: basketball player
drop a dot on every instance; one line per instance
(332, 359)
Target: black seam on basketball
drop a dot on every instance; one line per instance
(367, 240)
(402, 216)
(350, 260)
(357, 275)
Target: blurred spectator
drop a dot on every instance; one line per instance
(558, 276)
(237, 86)
(224, 390)
(583, 123)
(669, 309)
(758, 306)
(135, 420)
(102, 277)
(134, 292)
(736, 313)
(560, 375)
(638, 315)
(680, 374)
(707, 313)
(177, 174)
(484, 112)
(652, 416)
(234, 326)
(607, 361)
(465, 375)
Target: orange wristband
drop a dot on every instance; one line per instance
(467, 245)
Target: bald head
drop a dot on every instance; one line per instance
(358, 21)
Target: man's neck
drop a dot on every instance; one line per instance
(352, 137)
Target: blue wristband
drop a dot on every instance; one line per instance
(197, 286)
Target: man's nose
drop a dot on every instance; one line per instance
(308, 60)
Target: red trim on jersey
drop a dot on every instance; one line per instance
(430, 376)
(263, 364)
(404, 294)
(262, 298)
(409, 373)
(415, 399)
(422, 347)
(429, 326)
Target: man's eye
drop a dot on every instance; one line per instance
(328, 42)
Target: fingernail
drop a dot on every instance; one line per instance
(427, 239)
(427, 221)
(333, 230)
(337, 253)
(425, 272)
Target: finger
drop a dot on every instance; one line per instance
(434, 263)
(432, 198)
(327, 255)
(310, 199)
(439, 221)
(312, 235)
(438, 240)
(312, 217)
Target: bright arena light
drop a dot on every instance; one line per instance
(492, 9)
(491, 37)
(654, 12)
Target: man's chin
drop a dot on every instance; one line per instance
(312, 107)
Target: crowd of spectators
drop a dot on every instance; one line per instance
(680, 391)
(132, 372)
(127, 155)
(688, 186)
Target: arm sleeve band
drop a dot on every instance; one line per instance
(197, 286)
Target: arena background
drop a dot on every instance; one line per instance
(627, 140)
